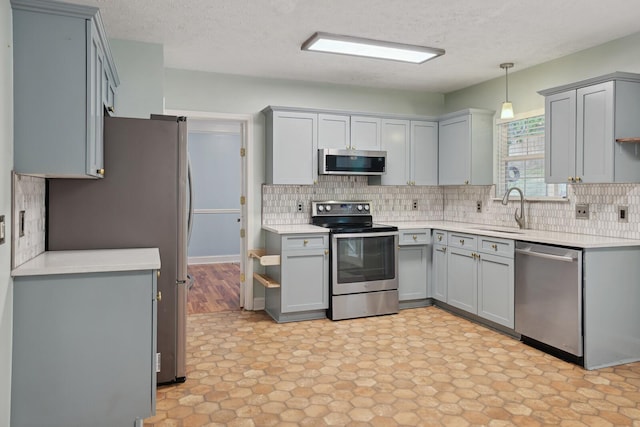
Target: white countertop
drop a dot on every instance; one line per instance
(295, 229)
(90, 261)
(534, 236)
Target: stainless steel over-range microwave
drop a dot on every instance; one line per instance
(351, 162)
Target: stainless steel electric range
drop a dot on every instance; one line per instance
(363, 278)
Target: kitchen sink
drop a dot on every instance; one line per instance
(498, 230)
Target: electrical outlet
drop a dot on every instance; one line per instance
(623, 213)
(300, 207)
(414, 205)
(479, 206)
(582, 211)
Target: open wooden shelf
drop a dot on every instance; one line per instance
(628, 140)
(266, 281)
(265, 259)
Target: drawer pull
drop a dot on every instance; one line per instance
(415, 237)
(326, 251)
(443, 250)
(494, 246)
(305, 242)
(159, 296)
(439, 238)
(462, 241)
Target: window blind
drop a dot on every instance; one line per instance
(521, 158)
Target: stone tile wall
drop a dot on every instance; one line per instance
(28, 196)
(458, 203)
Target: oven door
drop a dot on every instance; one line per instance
(364, 262)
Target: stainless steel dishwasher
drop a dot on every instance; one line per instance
(548, 296)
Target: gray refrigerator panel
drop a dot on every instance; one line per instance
(141, 202)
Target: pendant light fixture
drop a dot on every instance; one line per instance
(507, 107)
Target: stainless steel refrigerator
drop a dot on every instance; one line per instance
(141, 202)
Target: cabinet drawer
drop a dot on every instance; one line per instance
(305, 242)
(420, 236)
(440, 236)
(461, 240)
(496, 246)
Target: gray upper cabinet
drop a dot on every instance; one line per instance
(583, 121)
(347, 132)
(412, 152)
(334, 131)
(424, 153)
(465, 148)
(64, 81)
(292, 147)
(396, 137)
(365, 133)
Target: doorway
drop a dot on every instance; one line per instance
(215, 263)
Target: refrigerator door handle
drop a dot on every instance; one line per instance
(190, 185)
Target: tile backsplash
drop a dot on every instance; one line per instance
(28, 196)
(458, 203)
(279, 202)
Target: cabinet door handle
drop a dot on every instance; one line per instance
(100, 171)
(415, 237)
(159, 296)
(326, 251)
(110, 109)
(466, 181)
(443, 250)
(158, 273)
(578, 179)
(570, 179)
(305, 242)
(439, 238)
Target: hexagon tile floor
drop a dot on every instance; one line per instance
(421, 367)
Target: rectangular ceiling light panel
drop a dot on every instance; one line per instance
(346, 45)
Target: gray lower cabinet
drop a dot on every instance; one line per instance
(479, 277)
(303, 275)
(84, 349)
(496, 280)
(64, 80)
(439, 266)
(414, 267)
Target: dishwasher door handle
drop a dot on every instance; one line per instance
(547, 256)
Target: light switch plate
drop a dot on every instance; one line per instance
(2, 229)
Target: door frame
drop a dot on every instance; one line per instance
(246, 125)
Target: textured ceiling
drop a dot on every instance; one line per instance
(263, 37)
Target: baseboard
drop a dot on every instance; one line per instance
(220, 259)
(258, 304)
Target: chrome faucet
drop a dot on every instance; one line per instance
(519, 218)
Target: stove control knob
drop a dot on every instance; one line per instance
(320, 208)
(328, 208)
(366, 207)
(359, 207)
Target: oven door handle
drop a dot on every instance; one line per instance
(365, 234)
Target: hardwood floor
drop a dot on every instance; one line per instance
(216, 288)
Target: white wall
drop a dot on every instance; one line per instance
(141, 70)
(619, 55)
(6, 165)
